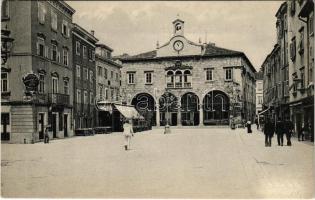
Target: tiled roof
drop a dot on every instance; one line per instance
(150, 54)
(211, 50)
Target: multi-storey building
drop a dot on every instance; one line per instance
(295, 57)
(301, 36)
(259, 91)
(84, 77)
(108, 82)
(276, 71)
(187, 83)
(42, 47)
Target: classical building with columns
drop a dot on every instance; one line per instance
(189, 84)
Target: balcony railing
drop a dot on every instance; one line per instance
(178, 85)
(59, 99)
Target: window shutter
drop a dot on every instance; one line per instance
(37, 48)
(58, 56)
(51, 54)
(46, 51)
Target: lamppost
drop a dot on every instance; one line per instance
(6, 44)
(167, 126)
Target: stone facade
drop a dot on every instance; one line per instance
(189, 63)
(259, 92)
(289, 68)
(43, 46)
(108, 82)
(84, 77)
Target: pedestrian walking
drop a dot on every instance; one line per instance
(279, 131)
(262, 123)
(268, 131)
(249, 126)
(128, 132)
(46, 135)
(304, 131)
(257, 123)
(288, 131)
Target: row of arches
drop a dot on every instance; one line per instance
(186, 110)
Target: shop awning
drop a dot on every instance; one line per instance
(128, 112)
(262, 112)
(104, 106)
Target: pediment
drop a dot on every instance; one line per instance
(184, 47)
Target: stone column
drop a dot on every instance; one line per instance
(201, 115)
(179, 115)
(157, 115)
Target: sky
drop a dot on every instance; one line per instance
(135, 27)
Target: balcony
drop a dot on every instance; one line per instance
(59, 99)
(178, 85)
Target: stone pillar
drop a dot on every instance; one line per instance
(179, 114)
(179, 117)
(201, 115)
(157, 115)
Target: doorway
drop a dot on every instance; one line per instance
(5, 123)
(54, 125)
(65, 125)
(173, 119)
(41, 125)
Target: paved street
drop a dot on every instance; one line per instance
(188, 163)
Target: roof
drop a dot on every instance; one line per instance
(108, 61)
(79, 28)
(104, 46)
(210, 51)
(214, 50)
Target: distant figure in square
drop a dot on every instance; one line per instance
(305, 130)
(46, 135)
(256, 122)
(279, 131)
(249, 126)
(128, 132)
(268, 131)
(288, 131)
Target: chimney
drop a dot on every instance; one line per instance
(92, 32)
(157, 45)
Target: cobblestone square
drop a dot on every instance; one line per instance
(188, 163)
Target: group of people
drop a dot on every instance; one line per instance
(281, 128)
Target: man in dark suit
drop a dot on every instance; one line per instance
(268, 131)
(279, 132)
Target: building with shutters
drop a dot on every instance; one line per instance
(184, 83)
(84, 77)
(42, 46)
(289, 68)
(108, 83)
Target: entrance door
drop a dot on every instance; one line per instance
(65, 125)
(5, 122)
(173, 119)
(41, 125)
(54, 125)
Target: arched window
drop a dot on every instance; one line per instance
(178, 79)
(186, 74)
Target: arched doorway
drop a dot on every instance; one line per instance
(145, 105)
(190, 109)
(168, 109)
(216, 106)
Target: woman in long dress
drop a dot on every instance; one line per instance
(128, 132)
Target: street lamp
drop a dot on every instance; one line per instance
(167, 126)
(6, 44)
